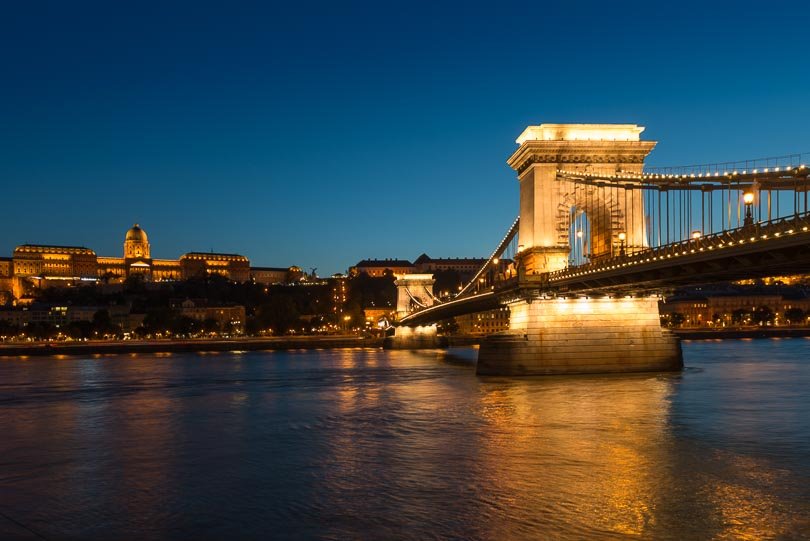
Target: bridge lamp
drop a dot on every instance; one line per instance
(748, 199)
(696, 234)
(495, 261)
(622, 238)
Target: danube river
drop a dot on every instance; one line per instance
(372, 444)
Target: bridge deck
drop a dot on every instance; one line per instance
(765, 249)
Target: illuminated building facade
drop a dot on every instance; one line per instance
(230, 318)
(380, 267)
(54, 262)
(465, 266)
(276, 275)
(37, 266)
(736, 307)
(484, 323)
(200, 264)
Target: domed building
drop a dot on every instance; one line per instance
(137, 261)
(136, 252)
(136, 243)
(47, 266)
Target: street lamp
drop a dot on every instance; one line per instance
(748, 199)
(695, 234)
(622, 237)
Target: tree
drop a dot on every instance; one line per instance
(740, 316)
(210, 326)
(158, 320)
(447, 326)
(41, 330)
(183, 326)
(80, 329)
(675, 319)
(794, 316)
(279, 314)
(447, 281)
(103, 325)
(8, 329)
(762, 315)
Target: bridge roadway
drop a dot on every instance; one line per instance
(773, 248)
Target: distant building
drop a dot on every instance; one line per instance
(37, 266)
(378, 267)
(228, 317)
(339, 292)
(55, 262)
(424, 264)
(6, 280)
(374, 316)
(465, 266)
(711, 308)
(484, 323)
(276, 275)
(235, 267)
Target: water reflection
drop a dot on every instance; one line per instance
(402, 445)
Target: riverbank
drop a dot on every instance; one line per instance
(185, 346)
(40, 349)
(759, 332)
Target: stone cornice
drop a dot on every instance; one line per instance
(582, 152)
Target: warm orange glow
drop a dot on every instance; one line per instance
(748, 198)
(581, 132)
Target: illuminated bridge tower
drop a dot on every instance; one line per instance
(584, 334)
(414, 291)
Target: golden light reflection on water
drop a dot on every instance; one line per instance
(392, 442)
(590, 452)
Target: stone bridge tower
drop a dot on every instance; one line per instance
(546, 203)
(414, 291)
(585, 334)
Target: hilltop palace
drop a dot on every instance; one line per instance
(37, 266)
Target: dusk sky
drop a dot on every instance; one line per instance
(318, 134)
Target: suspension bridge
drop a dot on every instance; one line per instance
(600, 238)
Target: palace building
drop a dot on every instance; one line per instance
(37, 266)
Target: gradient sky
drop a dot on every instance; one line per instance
(319, 134)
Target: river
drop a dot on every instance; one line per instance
(372, 444)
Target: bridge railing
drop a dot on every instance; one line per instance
(760, 231)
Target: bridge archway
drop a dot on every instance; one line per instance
(604, 215)
(546, 200)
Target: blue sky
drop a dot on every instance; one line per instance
(319, 134)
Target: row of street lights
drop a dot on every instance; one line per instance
(748, 199)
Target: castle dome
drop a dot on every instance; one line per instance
(136, 234)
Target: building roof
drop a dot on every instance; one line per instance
(53, 249)
(214, 256)
(424, 258)
(135, 233)
(271, 269)
(384, 263)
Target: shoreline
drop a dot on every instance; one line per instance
(43, 349)
(762, 332)
(187, 346)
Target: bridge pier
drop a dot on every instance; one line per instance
(419, 337)
(413, 291)
(581, 336)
